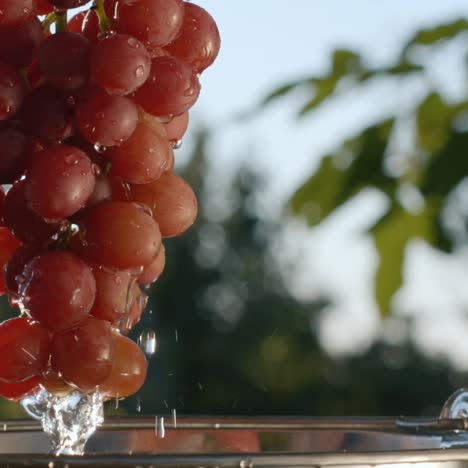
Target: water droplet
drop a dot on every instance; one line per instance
(246, 463)
(147, 341)
(100, 148)
(96, 169)
(178, 144)
(174, 418)
(138, 404)
(106, 34)
(59, 11)
(71, 159)
(139, 71)
(132, 42)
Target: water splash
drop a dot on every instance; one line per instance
(68, 420)
(148, 343)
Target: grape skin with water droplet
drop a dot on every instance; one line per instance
(120, 64)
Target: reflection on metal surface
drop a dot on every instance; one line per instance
(267, 442)
(456, 407)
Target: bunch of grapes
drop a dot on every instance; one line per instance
(91, 109)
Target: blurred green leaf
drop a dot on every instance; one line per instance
(438, 33)
(344, 64)
(447, 167)
(434, 118)
(391, 236)
(280, 92)
(336, 180)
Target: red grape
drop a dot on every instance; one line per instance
(90, 26)
(113, 293)
(14, 12)
(34, 74)
(75, 23)
(64, 59)
(25, 224)
(12, 90)
(143, 157)
(109, 7)
(58, 290)
(177, 127)
(171, 89)
(54, 121)
(128, 371)
(16, 391)
(8, 245)
(25, 349)
(44, 7)
(53, 383)
(172, 202)
(121, 235)
(14, 268)
(15, 147)
(153, 22)
(2, 205)
(84, 355)
(19, 44)
(60, 180)
(152, 272)
(198, 42)
(120, 64)
(68, 3)
(85, 22)
(106, 120)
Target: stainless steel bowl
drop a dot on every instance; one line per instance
(249, 442)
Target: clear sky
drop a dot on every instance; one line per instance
(269, 42)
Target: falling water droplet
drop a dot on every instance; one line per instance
(138, 404)
(147, 341)
(161, 428)
(174, 418)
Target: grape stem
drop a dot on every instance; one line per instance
(48, 21)
(61, 22)
(104, 21)
(107, 169)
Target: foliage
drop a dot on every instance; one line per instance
(434, 167)
(233, 340)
